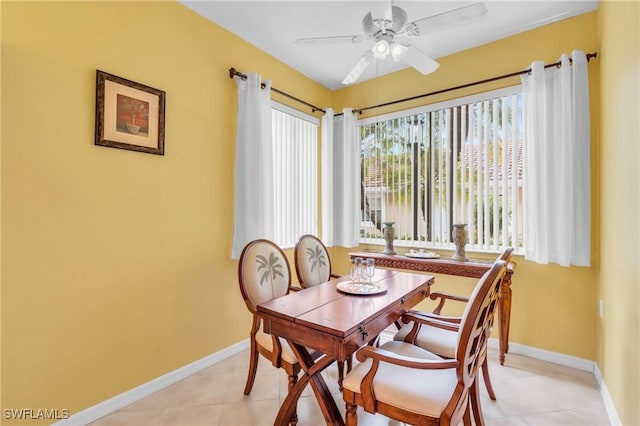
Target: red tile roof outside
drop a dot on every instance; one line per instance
(374, 178)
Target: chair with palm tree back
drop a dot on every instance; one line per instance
(313, 265)
(264, 274)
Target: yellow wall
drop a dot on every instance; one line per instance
(0, 215)
(554, 308)
(619, 330)
(116, 265)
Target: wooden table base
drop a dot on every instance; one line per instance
(311, 375)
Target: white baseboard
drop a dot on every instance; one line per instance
(119, 401)
(569, 361)
(545, 355)
(614, 420)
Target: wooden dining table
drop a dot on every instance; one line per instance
(336, 324)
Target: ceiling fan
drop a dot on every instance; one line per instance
(386, 22)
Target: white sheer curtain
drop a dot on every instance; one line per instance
(253, 209)
(557, 206)
(340, 179)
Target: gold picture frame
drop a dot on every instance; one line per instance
(129, 115)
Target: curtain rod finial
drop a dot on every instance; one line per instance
(234, 72)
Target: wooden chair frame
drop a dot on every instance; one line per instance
(472, 338)
(451, 323)
(274, 355)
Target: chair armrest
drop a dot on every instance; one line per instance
(433, 321)
(443, 298)
(420, 318)
(276, 353)
(292, 288)
(453, 320)
(379, 354)
(334, 275)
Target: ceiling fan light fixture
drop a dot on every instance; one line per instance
(397, 50)
(380, 49)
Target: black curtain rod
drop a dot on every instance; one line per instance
(233, 73)
(475, 83)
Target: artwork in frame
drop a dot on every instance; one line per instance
(129, 115)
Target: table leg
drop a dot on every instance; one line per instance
(504, 314)
(311, 374)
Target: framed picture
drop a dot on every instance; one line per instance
(129, 115)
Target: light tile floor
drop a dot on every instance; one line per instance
(529, 392)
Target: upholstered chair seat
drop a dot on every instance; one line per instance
(406, 387)
(266, 341)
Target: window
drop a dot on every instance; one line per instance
(456, 162)
(295, 139)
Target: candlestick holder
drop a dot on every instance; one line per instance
(389, 233)
(460, 235)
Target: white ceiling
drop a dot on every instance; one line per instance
(273, 26)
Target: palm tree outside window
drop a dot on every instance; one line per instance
(454, 162)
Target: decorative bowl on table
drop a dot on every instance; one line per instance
(362, 288)
(422, 254)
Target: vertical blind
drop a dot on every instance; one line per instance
(456, 162)
(295, 154)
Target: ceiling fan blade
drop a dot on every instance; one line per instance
(362, 64)
(466, 14)
(419, 60)
(332, 39)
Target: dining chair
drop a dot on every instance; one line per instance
(440, 340)
(264, 274)
(409, 384)
(313, 265)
